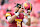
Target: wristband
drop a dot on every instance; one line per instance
(17, 13)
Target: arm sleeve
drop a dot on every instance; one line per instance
(8, 18)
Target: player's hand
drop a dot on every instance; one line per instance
(21, 10)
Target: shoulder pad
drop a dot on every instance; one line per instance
(8, 14)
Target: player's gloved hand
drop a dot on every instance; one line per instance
(21, 10)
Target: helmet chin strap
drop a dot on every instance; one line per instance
(16, 11)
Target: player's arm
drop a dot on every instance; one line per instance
(26, 20)
(29, 22)
(12, 18)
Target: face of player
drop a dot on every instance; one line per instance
(19, 6)
(16, 9)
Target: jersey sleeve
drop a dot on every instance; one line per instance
(8, 16)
